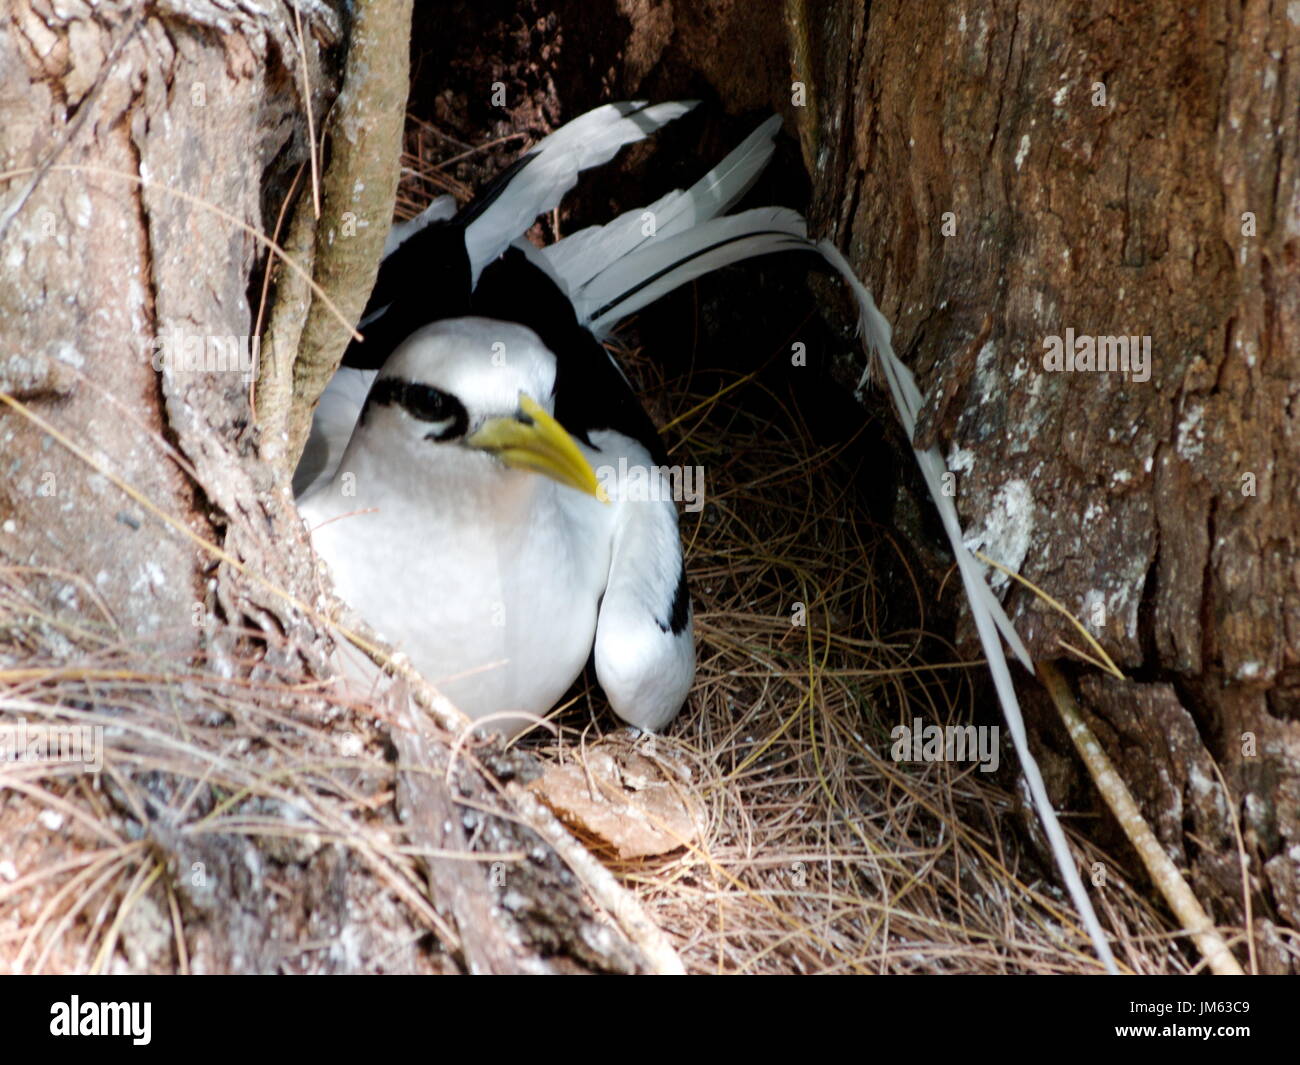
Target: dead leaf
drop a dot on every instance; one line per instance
(624, 799)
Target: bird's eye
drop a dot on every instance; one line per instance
(423, 402)
(427, 404)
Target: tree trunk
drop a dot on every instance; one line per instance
(1002, 173)
(155, 571)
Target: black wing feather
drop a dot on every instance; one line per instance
(590, 393)
(427, 278)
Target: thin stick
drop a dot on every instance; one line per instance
(1245, 872)
(621, 904)
(266, 290)
(311, 121)
(1164, 874)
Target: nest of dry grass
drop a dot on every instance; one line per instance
(813, 851)
(816, 852)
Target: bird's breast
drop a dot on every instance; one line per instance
(494, 598)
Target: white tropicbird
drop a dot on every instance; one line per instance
(455, 491)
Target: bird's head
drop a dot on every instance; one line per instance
(484, 388)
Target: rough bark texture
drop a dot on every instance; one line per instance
(76, 314)
(132, 233)
(357, 191)
(99, 261)
(1165, 513)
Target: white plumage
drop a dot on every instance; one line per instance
(496, 581)
(587, 141)
(488, 577)
(583, 255)
(462, 519)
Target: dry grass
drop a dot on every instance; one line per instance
(818, 853)
(192, 761)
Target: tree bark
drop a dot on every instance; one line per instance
(1000, 173)
(141, 525)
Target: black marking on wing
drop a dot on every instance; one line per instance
(427, 278)
(681, 608)
(420, 401)
(494, 189)
(590, 393)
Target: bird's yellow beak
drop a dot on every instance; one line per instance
(533, 440)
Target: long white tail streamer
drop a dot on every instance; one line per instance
(987, 611)
(582, 256)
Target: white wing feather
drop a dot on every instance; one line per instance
(656, 269)
(331, 428)
(553, 168)
(580, 256)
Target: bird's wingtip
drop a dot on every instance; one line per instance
(670, 110)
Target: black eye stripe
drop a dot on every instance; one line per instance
(427, 404)
(420, 401)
